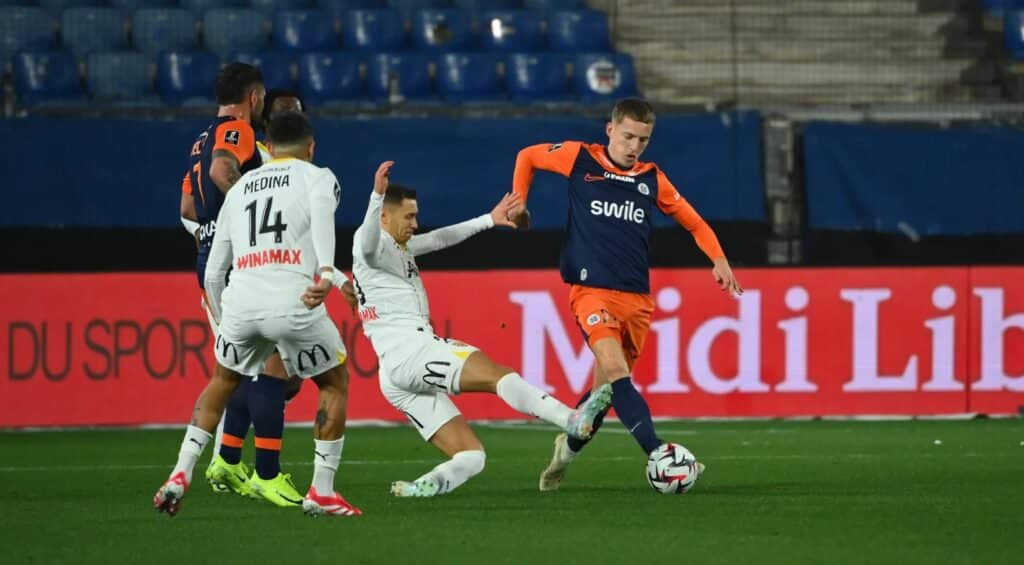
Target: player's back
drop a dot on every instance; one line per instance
(226, 133)
(267, 218)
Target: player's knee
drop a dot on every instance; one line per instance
(472, 460)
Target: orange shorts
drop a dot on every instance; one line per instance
(625, 316)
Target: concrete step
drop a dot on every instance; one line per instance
(755, 95)
(660, 71)
(643, 27)
(778, 49)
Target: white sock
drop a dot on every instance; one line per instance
(326, 458)
(454, 472)
(191, 448)
(217, 437)
(529, 399)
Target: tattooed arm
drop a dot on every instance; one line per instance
(224, 169)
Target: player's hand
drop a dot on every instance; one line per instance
(382, 177)
(316, 294)
(349, 292)
(500, 213)
(725, 278)
(520, 216)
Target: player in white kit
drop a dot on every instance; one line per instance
(276, 229)
(418, 369)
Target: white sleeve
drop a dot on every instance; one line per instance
(369, 230)
(219, 262)
(190, 225)
(450, 235)
(323, 201)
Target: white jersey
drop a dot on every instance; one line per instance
(276, 229)
(387, 280)
(265, 156)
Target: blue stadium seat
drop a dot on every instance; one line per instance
(57, 7)
(163, 29)
(235, 29)
(275, 5)
(276, 67)
(120, 77)
(476, 8)
(469, 77)
(304, 30)
(1013, 34)
(403, 74)
(200, 7)
(94, 29)
(330, 77)
(24, 27)
(548, 7)
(46, 77)
(406, 8)
(579, 30)
(515, 30)
(130, 6)
(374, 30)
(337, 9)
(602, 77)
(187, 77)
(539, 77)
(441, 29)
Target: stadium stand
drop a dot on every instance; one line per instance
(538, 77)
(604, 77)
(233, 29)
(24, 27)
(163, 29)
(470, 77)
(578, 30)
(330, 77)
(47, 76)
(277, 67)
(400, 76)
(121, 78)
(186, 78)
(511, 30)
(87, 29)
(304, 30)
(440, 29)
(374, 30)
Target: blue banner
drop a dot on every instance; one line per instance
(914, 180)
(98, 173)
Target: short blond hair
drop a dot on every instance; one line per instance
(634, 109)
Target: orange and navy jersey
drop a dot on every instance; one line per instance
(225, 133)
(607, 243)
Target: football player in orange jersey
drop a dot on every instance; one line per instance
(612, 196)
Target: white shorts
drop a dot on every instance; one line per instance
(418, 370)
(309, 343)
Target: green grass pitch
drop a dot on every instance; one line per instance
(774, 492)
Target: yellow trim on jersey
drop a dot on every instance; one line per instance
(282, 159)
(260, 145)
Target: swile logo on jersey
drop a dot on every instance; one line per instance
(627, 211)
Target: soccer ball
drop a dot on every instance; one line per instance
(671, 469)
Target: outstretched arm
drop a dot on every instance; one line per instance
(457, 233)
(369, 230)
(672, 204)
(553, 157)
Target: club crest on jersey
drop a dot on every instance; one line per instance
(593, 319)
(583, 274)
(232, 136)
(643, 189)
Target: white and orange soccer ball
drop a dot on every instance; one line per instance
(672, 469)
